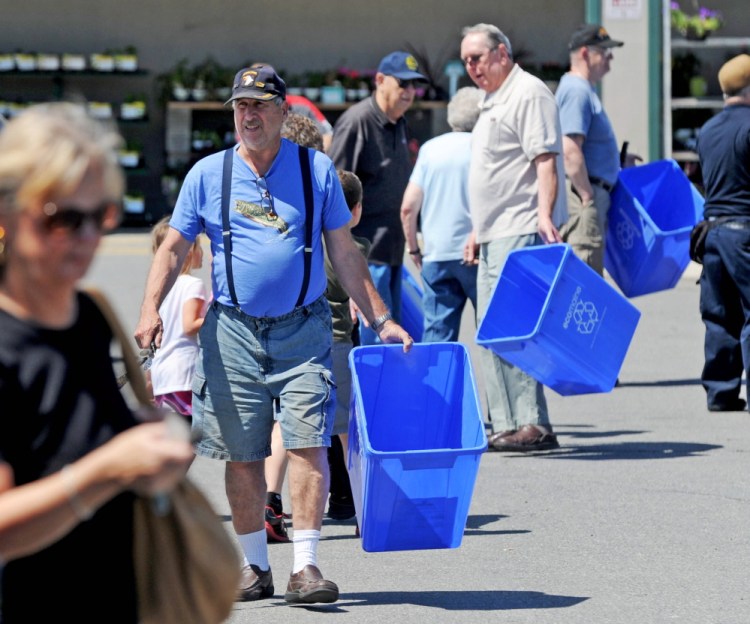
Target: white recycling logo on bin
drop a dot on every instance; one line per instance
(625, 234)
(585, 316)
(625, 231)
(583, 313)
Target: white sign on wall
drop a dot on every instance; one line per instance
(623, 9)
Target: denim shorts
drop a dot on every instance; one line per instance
(343, 378)
(252, 371)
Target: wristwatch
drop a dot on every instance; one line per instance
(380, 321)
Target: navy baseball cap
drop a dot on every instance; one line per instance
(259, 82)
(401, 65)
(592, 35)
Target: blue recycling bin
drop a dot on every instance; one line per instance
(555, 318)
(416, 436)
(412, 313)
(654, 208)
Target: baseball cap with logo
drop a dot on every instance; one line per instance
(259, 82)
(592, 35)
(400, 65)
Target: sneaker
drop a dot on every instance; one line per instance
(275, 526)
(308, 586)
(255, 584)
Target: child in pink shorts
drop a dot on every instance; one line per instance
(182, 313)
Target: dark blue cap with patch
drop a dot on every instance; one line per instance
(259, 82)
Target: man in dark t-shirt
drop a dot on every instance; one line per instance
(371, 140)
(724, 152)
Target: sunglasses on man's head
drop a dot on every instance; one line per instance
(71, 219)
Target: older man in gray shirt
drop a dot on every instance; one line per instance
(517, 199)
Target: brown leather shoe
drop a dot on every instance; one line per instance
(308, 586)
(500, 434)
(527, 438)
(255, 584)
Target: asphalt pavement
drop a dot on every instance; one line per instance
(642, 515)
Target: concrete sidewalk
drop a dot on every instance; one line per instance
(640, 517)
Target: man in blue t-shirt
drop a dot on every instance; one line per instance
(266, 339)
(437, 197)
(592, 158)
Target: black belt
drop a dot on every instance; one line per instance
(731, 223)
(603, 183)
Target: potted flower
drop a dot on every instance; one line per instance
(314, 80)
(73, 62)
(222, 83)
(349, 79)
(47, 62)
(130, 155)
(100, 110)
(126, 59)
(294, 84)
(102, 61)
(209, 75)
(181, 80)
(25, 61)
(697, 24)
(134, 202)
(7, 62)
(686, 75)
(332, 91)
(133, 107)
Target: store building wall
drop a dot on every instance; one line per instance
(295, 35)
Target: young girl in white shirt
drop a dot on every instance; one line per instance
(182, 313)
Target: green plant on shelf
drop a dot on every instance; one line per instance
(698, 23)
(684, 68)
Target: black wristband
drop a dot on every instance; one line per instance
(415, 252)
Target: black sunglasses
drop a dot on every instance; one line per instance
(71, 219)
(405, 84)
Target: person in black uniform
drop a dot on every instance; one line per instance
(724, 152)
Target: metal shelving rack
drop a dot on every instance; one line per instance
(672, 104)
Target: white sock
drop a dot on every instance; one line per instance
(255, 549)
(305, 549)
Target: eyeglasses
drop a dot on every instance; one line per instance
(405, 84)
(605, 52)
(71, 219)
(265, 196)
(475, 59)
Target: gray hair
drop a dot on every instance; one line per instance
(743, 93)
(494, 36)
(463, 109)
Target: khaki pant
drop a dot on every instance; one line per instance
(586, 228)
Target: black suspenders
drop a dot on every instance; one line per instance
(226, 187)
